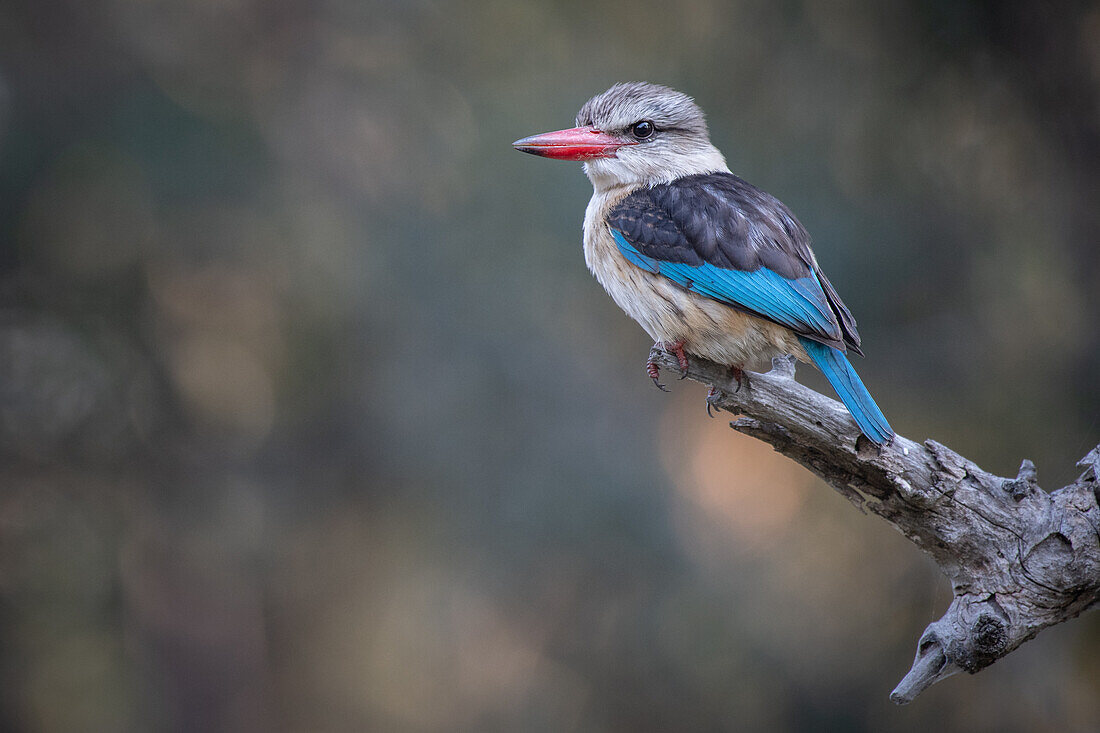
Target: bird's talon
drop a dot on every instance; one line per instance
(712, 394)
(739, 374)
(654, 373)
(676, 348)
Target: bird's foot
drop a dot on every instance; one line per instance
(676, 348)
(713, 393)
(654, 373)
(739, 374)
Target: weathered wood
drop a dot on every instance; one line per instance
(1019, 559)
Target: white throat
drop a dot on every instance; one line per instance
(632, 168)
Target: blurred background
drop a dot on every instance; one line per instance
(311, 418)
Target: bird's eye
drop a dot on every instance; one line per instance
(642, 130)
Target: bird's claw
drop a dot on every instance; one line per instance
(739, 374)
(712, 395)
(676, 348)
(654, 373)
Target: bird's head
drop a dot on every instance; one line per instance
(634, 134)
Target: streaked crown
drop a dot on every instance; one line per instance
(664, 130)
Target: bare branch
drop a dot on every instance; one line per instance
(1019, 559)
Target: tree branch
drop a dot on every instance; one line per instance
(1019, 559)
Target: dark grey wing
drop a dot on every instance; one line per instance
(722, 237)
(847, 321)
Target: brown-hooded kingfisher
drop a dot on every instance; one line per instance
(707, 263)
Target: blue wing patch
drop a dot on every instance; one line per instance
(634, 256)
(799, 304)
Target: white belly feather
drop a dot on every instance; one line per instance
(668, 312)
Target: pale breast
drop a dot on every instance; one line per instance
(668, 312)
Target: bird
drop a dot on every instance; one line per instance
(707, 263)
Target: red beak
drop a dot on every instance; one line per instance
(578, 143)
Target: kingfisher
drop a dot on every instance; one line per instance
(705, 262)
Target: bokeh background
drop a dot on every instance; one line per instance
(311, 418)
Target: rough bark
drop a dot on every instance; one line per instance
(1019, 559)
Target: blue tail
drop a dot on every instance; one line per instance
(834, 365)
